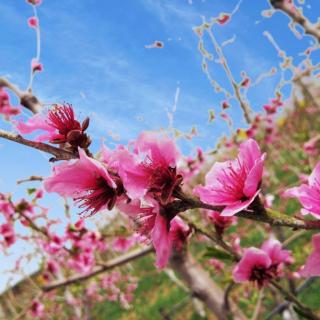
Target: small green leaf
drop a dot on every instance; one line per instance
(213, 252)
(31, 191)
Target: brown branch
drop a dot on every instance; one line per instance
(256, 212)
(116, 262)
(27, 99)
(307, 312)
(59, 154)
(243, 104)
(284, 305)
(212, 236)
(202, 285)
(297, 17)
(31, 178)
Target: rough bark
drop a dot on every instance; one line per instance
(203, 287)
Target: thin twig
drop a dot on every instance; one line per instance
(31, 178)
(258, 213)
(243, 104)
(307, 312)
(27, 99)
(297, 17)
(116, 262)
(59, 154)
(257, 309)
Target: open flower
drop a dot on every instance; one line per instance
(60, 126)
(308, 194)
(8, 234)
(151, 170)
(262, 265)
(87, 181)
(234, 184)
(37, 309)
(312, 266)
(165, 232)
(166, 236)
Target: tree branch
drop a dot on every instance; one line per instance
(297, 17)
(59, 154)
(27, 99)
(116, 262)
(307, 312)
(256, 212)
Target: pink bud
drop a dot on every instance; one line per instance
(33, 22)
(36, 65)
(223, 18)
(34, 2)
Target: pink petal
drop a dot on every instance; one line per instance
(72, 178)
(161, 241)
(312, 266)
(37, 122)
(161, 148)
(252, 257)
(249, 152)
(314, 178)
(232, 209)
(254, 178)
(274, 250)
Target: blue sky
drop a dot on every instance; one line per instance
(94, 57)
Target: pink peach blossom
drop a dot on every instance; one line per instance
(253, 266)
(37, 309)
(234, 184)
(87, 181)
(152, 170)
(262, 265)
(122, 244)
(216, 264)
(311, 146)
(59, 125)
(8, 234)
(308, 194)
(165, 232)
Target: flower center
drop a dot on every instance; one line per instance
(232, 181)
(97, 197)
(162, 181)
(62, 118)
(262, 275)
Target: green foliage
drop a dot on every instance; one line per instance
(213, 252)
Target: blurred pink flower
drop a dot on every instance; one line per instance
(122, 244)
(311, 147)
(262, 265)
(234, 184)
(8, 234)
(37, 309)
(5, 107)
